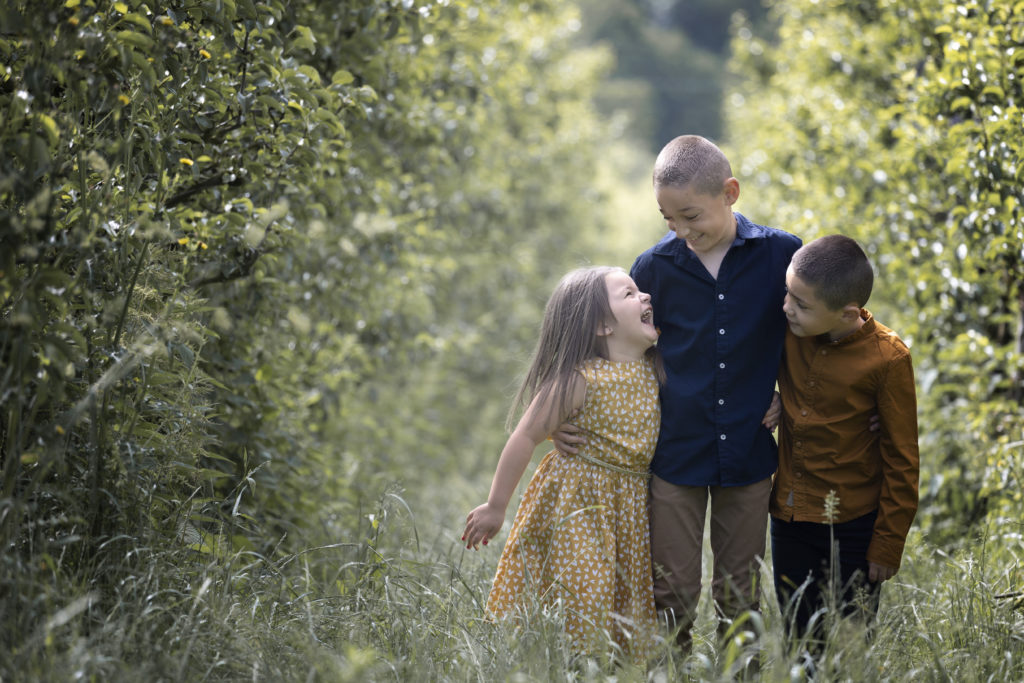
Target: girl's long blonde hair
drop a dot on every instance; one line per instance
(568, 336)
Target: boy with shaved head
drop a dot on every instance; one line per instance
(838, 483)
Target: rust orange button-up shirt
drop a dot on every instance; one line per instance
(829, 392)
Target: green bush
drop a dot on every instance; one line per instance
(245, 247)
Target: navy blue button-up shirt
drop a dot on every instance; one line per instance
(721, 341)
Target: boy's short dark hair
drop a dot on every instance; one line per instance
(838, 270)
(692, 159)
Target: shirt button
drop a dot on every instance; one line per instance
(721, 331)
(721, 296)
(811, 383)
(799, 444)
(722, 437)
(799, 475)
(824, 352)
(721, 366)
(721, 401)
(804, 413)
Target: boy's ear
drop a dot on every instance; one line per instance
(851, 312)
(732, 190)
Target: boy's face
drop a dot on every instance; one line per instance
(704, 221)
(808, 315)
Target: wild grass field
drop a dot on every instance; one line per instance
(402, 600)
(269, 270)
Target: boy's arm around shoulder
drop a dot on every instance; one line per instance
(540, 418)
(898, 498)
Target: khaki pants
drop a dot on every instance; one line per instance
(739, 520)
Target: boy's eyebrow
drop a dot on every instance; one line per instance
(792, 295)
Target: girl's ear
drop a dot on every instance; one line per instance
(603, 330)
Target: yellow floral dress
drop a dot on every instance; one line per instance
(581, 534)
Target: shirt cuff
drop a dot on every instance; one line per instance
(885, 553)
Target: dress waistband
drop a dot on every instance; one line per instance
(615, 468)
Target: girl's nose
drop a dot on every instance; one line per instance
(645, 297)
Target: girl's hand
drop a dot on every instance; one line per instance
(482, 524)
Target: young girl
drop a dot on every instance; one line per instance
(581, 532)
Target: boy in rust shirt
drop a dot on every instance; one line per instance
(838, 481)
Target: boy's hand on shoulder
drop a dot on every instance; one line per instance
(878, 572)
(566, 438)
(482, 524)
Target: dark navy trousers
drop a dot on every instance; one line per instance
(802, 559)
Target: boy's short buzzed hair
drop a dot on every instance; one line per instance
(838, 270)
(692, 159)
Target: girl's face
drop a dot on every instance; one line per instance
(632, 331)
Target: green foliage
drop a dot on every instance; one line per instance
(243, 246)
(899, 125)
(268, 271)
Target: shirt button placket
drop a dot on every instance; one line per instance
(721, 364)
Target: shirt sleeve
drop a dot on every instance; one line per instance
(897, 408)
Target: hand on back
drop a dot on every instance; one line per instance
(567, 438)
(774, 414)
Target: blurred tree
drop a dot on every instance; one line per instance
(670, 59)
(708, 22)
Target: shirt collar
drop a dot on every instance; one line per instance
(864, 330)
(745, 230)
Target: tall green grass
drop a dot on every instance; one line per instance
(400, 599)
